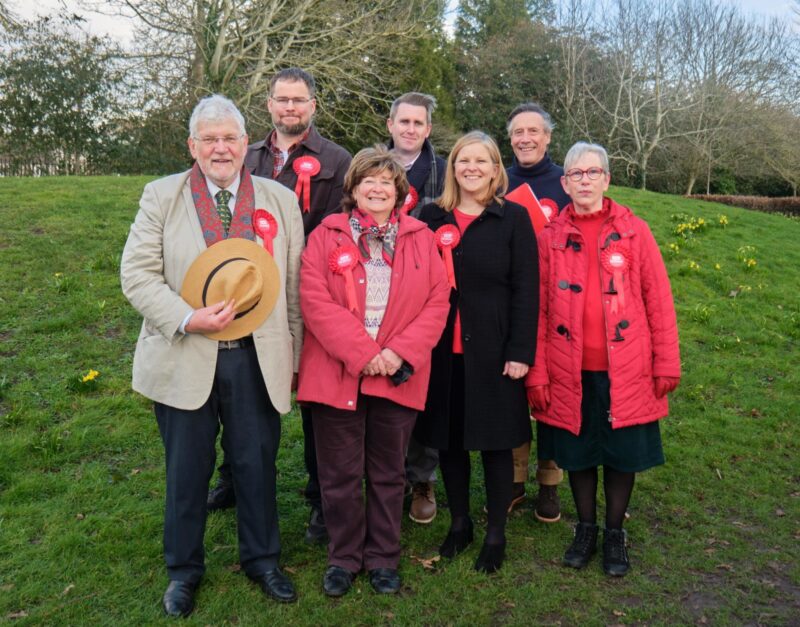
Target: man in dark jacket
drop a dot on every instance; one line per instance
(297, 156)
(530, 129)
(410, 126)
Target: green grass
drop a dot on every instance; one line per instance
(714, 534)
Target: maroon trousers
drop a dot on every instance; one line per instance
(370, 443)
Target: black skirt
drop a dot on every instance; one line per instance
(629, 449)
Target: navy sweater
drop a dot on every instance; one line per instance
(544, 179)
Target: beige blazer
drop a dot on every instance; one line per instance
(176, 369)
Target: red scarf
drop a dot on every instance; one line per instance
(242, 223)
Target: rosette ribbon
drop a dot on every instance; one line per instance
(412, 198)
(616, 260)
(447, 238)
(549, 208)
(305, 168)
(342, 261)
(266, 227)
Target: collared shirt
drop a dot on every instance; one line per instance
(280, 157)
(411, 163)
(233, 188)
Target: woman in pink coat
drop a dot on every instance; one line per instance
(607, 352)
(374, 295)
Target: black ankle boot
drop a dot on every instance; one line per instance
(583, 546)
(457, 541)
(615, 555)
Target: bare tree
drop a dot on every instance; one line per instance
(733, 64)
(233, 47)
(7, 17)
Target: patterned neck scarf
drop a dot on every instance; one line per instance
(213, 228)
(366, 227)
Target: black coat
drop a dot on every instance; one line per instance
(497, 278)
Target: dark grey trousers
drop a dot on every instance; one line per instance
(251, 434)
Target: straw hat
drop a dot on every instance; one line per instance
(238, 269)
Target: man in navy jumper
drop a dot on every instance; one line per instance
(530, 129)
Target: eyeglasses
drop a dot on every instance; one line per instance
(593, 174)
(283, 101)
(228, 140)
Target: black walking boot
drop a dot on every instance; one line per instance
(583, 546)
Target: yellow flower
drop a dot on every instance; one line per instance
(91, 376)
(717, 266)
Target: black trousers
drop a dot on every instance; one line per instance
(312, 490)
(252, 430)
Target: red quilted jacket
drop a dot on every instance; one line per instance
(645, 322)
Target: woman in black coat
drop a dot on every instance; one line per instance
(476, 399)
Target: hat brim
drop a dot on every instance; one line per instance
(217, 254)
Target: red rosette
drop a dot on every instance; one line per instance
(412, 198)
(447, 238)
(342, 261)
(617, 261)
(549, 208)
(266, 227)
(305, 168)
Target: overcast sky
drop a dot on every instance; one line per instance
(121, 29)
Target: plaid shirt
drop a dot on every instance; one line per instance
(278, 156)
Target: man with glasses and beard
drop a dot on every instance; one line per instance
(297, 156)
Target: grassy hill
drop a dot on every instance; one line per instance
(714, 534)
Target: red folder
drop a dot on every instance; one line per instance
(523, 195)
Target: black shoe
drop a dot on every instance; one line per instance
(384, 580)
(457, 541)
(178, 599)
(317, 532)
(276, 585)
(615, 555)
(221, 496)
(491, 557)
(583, 546)
(337, 581)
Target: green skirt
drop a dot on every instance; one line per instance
(629, 449)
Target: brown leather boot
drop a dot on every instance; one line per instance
(548, 505)
(423, 503)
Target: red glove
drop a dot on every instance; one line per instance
(539, 397)
(665, 385)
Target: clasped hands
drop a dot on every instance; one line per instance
(385, 363)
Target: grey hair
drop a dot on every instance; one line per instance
(415, 99)
(215, 108)
(582, 148)
(530, 107)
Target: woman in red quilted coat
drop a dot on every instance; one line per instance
(607, 352)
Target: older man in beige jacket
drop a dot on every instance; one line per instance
(198, 382)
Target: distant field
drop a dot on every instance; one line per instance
(714, 534)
